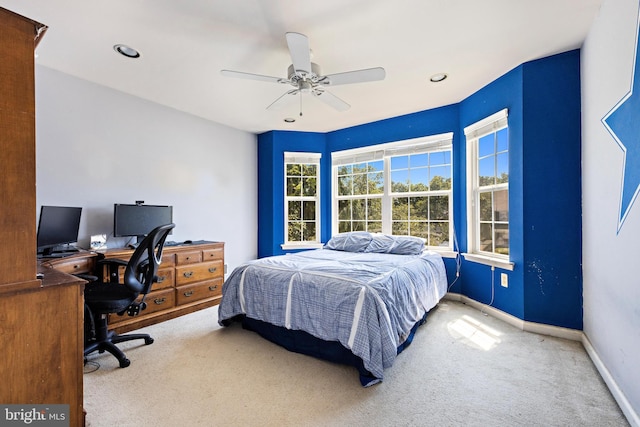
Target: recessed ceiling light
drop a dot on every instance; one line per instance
(289, 120)
(436, 78)
(127, 51)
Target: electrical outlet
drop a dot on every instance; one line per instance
(504, 280)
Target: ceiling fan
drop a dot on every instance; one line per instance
(305, 76)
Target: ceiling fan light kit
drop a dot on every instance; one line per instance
(305, 76)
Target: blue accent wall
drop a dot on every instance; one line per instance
(551, 197)
(543, 99)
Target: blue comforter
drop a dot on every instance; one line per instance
(366, 301)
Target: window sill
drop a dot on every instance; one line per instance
(300, 246)
(445, 253)
(494, 262)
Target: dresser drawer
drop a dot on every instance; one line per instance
(74, 265)
(188, 257)
(198, 291)
(212, 254)
(156, 301)
(166, 279)
(197, 273)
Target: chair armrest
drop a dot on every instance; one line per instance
(112, 265)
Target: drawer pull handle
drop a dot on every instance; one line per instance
(159, 301)
(76, 266)
(188, 293)
(187, 274)
(213, 287)
(212, 269)
(188, 258)
(160, 279)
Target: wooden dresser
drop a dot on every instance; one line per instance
(190, 278)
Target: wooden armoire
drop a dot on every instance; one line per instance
(41, 332)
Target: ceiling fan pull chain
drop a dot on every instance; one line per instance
(300, 103)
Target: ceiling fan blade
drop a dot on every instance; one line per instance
(280, 101)
(357, 76)
(331, 100)
(250, 76)
(300, 53)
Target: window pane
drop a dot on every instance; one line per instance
(358, 209)
(345, 170)
(309, 170)
(502, 239)
(419, 208)
(344, 186)
(309, 212)
(400, 162)
(309, 231)
(293, 170)
(502, 139)
(309, 186)
(359, 184)
(419, 179)
(486, 237)
(417, 160)
(374, 226)
(487, 169)
(439, 234)
(344, 226)
(376, 182)
(439, 208)
(377, 166)
(400, 208)
(374, 209)
(440, 178)
(486, 206)
(400, 181)
(294, 210)
(344, 210)
(295, 234)
(503, 168)
(486, 145)
(501, 208)
(419, 229)
(400, 228)
(440, 158)
(294, 187)
(358, 226)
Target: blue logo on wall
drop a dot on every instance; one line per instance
(623, 123)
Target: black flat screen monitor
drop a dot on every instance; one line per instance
(58, 225)
(138, 220)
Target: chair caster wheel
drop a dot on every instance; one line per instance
(124, 363)
(148, 341)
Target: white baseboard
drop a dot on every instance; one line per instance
(538, 328)
(559, 332)
(618, 395)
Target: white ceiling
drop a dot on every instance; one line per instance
(184, 45)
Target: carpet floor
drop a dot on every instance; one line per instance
(463, 368)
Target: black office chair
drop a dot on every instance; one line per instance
(103, 297)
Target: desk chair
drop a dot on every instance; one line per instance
(127, 296)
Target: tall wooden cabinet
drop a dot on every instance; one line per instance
(40, 320)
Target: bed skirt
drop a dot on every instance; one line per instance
(305, 343)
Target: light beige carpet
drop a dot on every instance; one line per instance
(463, 369)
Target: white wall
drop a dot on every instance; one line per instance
(97, 146)
(610, 258)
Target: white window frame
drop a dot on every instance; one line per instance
(473, 133)
(433, 143)
(302, 158)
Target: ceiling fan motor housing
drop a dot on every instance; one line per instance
(295, 76)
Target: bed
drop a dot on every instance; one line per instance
(358, 300)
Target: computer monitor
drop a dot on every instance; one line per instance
(139, 219)
(57, 226)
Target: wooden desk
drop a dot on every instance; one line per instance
(42, 332)
(190, 278)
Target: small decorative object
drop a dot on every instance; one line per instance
(98, 241)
